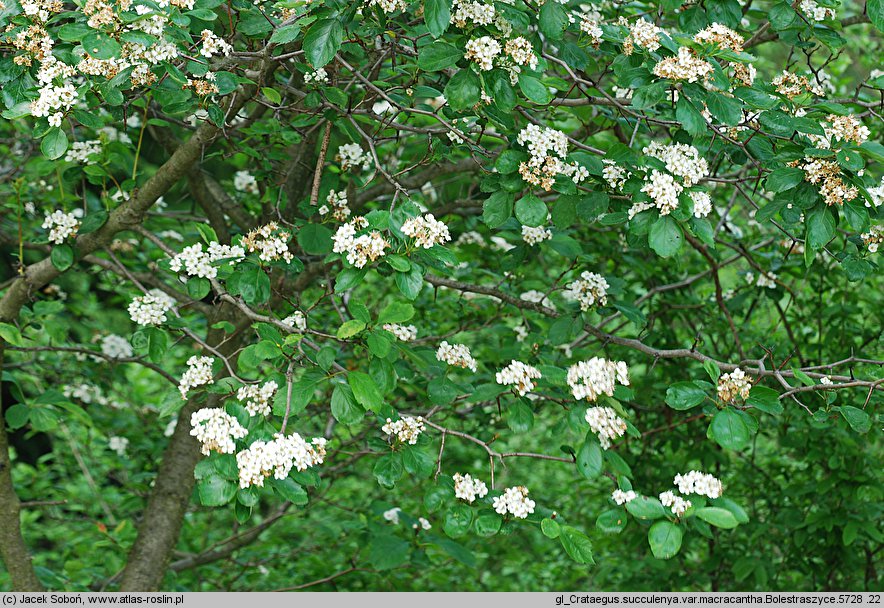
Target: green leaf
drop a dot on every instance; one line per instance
(712, 369)
(725, 109)
(765, 399)
(418, 462)
(577, 545)
(437, 16)
(198, 287)
(10, 334)
(488, 524)
(665, 236)
(285, 34)
(396, 312)
(519, 417)
(315, 239)
(323, 40)
(612, 521)
(550, 528)
(62, 257)
(92, 222)
(820, 227)
(410, 283)
(54, 144)
(290, 490)
(728, 430)
(344, 407)
(690, 118)
(101, 46)
(389, 469)
(365, 391)
(665, 539)
(438, 56)
(553, 20)
(463, 91)
(497, 209)
(534, 90)
(784, 179)
(530, 210)
(858, 420)
(386, 552)
(684, 395)
(589, 457)
(649, 96)
(350, 328)
(646, 507)
(215, 491)
(718, 517)
(457, 521)
(17, 415)
(875, 11)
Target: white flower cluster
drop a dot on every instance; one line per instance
(826, 174)
(278, 457)
(352, 157)
(521, 52)
(663, 190)
(392, 515)
(590, 289)
(873, 238)
(118, 445)
(537, 297)
(534, 235)
(483, 51)
(61, 226)
(422, 523)
(426, 231)
(547, 149)
(403, 333)
(590, 379)
(469, 489)
(269, 242)
(258, 399)
(733, 385)
(614, 174)
(847, 128)
(876, 193)
(340, 208)
(243, 181)
(589, 25)
(677, 504)
(80, 151)
(316, 77)
(116, 347)
(457, 355)
(214, 45)
(389, 6)
(478, 13)
(198, 263)
(682, 160)
(606, 424)
(684, 66)
(198, 373)
(644, 34)
(359, 249)
(515, 501)
(815, 11)
(215, 429)
(696, 482)
(765, 279)
(407, 429)
(296, 320)
(621, 497)
(150, 309)
(702, 204)
(720, 35)
(520, 375)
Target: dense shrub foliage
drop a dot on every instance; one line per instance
(442, 294)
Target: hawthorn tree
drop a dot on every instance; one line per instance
(386, 294)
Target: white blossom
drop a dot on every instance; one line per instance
(457, 355)
(216, 430)
(520, 375)
(426, 231)
(403, 333)
(150, 309)
(469, 489)
(61, 226)
(515, 501)
(621, 497)
(696, 482)
(296, 320)
(589, 290)
(278, 457)
(118, 445)
(198, 373)
(483, 51)
(258, 399)
(606, 424)
(590, 379)
(116, 347)
(677, 504)
(407, 429)
(733, 385)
